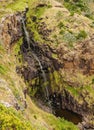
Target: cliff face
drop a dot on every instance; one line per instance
(66, 55)
(80, 58)
(13, 66)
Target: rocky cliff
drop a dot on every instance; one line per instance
(10, 29)
(67, 58)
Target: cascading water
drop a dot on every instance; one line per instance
(26, 34)
(43, 74)
(36, 58)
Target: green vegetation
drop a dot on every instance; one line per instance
(17, 6)
(74, 91)
(92, 24)
(80, 86)
(81, 35)
(80, 6)
(56, 81)
(76, 6)
(3, 69)
(89, 14)
(92, 81)
(60, 124)
(12, 120)
(39, 11)
(69, 38)
(17, 51)
(33, 19)
(59, 15)
(33, 90)
(18, 45)
(61, 25)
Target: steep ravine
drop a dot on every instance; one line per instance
(55, 82)
(18, 111)
(53, 72)
(77, 62)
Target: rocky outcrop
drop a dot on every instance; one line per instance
(70, 103)
(10, 29)
(81, 58)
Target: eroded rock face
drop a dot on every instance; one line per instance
(10, 29)
(81, 58)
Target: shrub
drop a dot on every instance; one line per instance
(92, 81)
(76, 5)
(61, 25)
(89, 14)
(11, 120)
(3, 69)
(92, 24)
(62, 32)
(69, 38)
(81, 35)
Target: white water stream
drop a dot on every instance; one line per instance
(36, 58)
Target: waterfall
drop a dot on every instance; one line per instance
(43, 74)
(35, 57)
(26, 34)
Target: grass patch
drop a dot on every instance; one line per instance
(60, 123)
(3, 69)
(15, 6)
(81, 35)
(18, 45)
(32, 25)
(39, 11)
(77, 6)
(73, 90)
